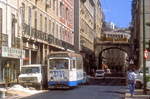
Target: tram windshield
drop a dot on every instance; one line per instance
(58, 64)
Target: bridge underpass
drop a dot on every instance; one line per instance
(116, 57)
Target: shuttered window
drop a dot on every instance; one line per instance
(1, 18)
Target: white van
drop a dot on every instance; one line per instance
(33, 75)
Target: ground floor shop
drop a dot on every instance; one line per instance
(37, 52)
(10, 61)
(9, 70)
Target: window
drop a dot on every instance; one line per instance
(50, 3)
(61, 9)
(35, 20)
(56, 30)
(13, 29)
(29, 16)
(66, 13)
(50, 26)
(57, 7)
(54, 4)
(29, 20)
(1, 19)
(45, 25)
(23, 12)
(53, 30)
(41, 24)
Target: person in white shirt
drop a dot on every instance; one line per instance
(131, 81)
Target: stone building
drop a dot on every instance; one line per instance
(30, 30)
(47, 25)
(137, 30)
(88, 23)
(11, 54)
(98, 19)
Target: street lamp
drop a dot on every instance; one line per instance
(144, 59)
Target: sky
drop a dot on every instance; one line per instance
(117, 11)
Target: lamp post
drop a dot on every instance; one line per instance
(144, 59)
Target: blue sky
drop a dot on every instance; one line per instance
(117, 11)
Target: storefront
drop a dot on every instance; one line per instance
(10, 61)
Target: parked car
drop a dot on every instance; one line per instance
(139, 79)
(99, 73)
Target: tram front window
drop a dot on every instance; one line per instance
(58, 64)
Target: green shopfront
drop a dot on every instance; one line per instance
(10, 61)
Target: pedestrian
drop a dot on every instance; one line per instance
(131, 81)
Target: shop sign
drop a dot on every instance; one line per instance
(12, 52)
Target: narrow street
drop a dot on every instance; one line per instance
(84, 92)
(97, 88)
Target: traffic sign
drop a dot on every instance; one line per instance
(131, 61)
(145, 54)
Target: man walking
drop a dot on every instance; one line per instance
(131, 81)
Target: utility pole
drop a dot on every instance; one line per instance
(144, 59)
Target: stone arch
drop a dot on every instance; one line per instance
(112, 47)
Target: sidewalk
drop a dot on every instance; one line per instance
(17, 92)
(138, 94)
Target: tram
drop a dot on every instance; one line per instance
(65, 69)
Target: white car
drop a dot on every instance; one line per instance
(139, 80)
(99, 73)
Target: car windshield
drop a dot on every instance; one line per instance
(58, 64)
(99, 72)
(28, 70)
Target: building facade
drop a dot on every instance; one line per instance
(137, 30)
(98, 19)
(47, 25)
(30, 30)
(11, 54)
(88, 23)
